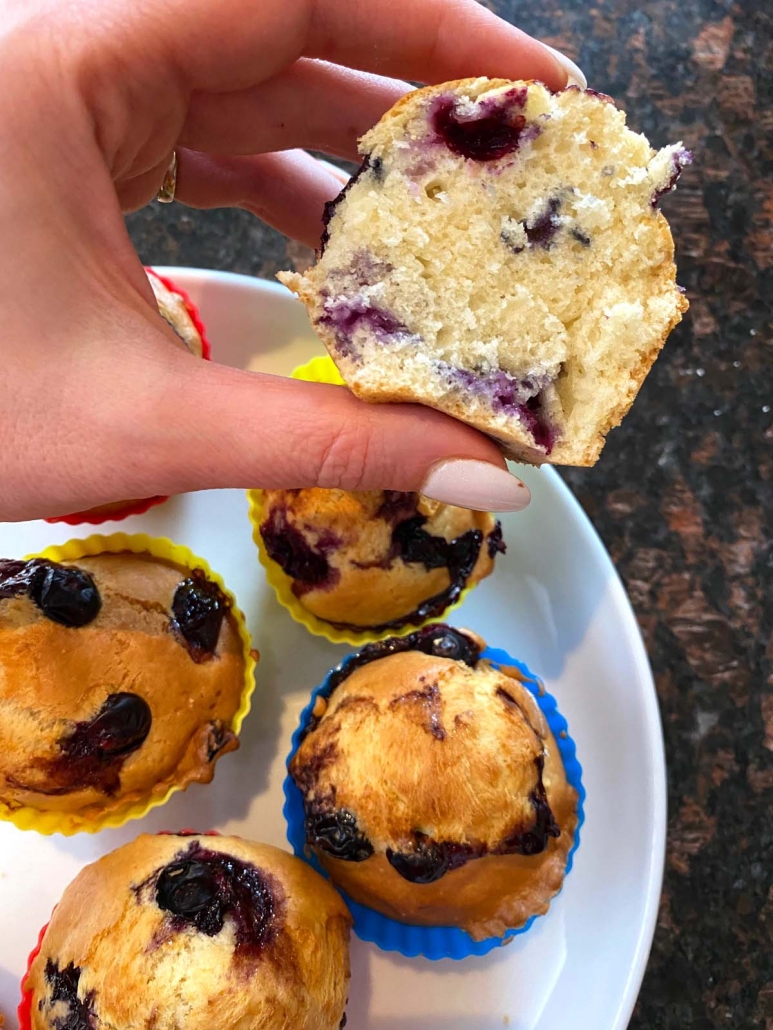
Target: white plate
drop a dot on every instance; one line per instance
(555, 601)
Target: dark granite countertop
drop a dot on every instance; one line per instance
(683, 494)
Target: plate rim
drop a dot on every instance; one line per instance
(654, 728)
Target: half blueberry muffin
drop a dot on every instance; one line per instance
(192, 931)
(122, 676)
(500, 256)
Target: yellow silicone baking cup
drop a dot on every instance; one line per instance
(68, 823)
(321, 370)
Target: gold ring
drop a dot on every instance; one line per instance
(168, 187)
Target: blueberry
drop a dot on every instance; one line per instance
(417, 545)
(289, 548)
(495, 542)
(65, 595)
(199, 607)
(119, 727)
(445, 642)
(78, 1012)
(200, 888)
(336, 833)
(426, 864)
(496, 133)
(346, 315)
(186, 888)
(15, 577)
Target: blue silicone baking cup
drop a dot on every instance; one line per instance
(434, 942)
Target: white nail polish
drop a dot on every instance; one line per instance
(478, 485)
(575, 74)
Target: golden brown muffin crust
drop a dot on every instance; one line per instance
(142, 967)
(53, 677)
(418, 747)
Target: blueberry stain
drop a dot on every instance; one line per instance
(493, 134)
(92, 754)
(308, 566)
(201, 888)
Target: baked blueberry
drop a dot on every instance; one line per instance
(199, 607)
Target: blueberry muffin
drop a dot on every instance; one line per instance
(120, 677)
(432, 786)
(379, 559)
(182, 317)
(178, 314)
(500, 257)
(193, 931)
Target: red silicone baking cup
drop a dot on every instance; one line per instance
(190, 307)
(95, 517)
(24, 1011)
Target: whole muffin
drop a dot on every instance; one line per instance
(378, 559)
(433, 789)
(193, 931)
(500, 257)
(120, 676)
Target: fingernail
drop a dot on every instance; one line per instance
(575, 76)
(475, 484)
(337, 173)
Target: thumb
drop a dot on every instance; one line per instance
(215, 426)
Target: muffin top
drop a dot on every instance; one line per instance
(431, 756)
(120, 675)
(193, 931)
(376, 559)
(174, 311)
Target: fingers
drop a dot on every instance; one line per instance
(223, 427)
(421, 40)
(288, 191)
(314, 105)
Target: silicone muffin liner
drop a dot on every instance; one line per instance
(322, 370)
(68, 823)
(97, 517)
(434, 942)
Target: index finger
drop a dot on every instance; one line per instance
(236, 43)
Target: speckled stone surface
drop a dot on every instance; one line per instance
(683, 494)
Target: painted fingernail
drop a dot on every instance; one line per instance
(575, 76)
(475, 484)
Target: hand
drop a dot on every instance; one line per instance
(98, 401)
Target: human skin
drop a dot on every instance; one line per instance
(98, 400)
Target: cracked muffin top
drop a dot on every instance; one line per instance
(120, 676)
